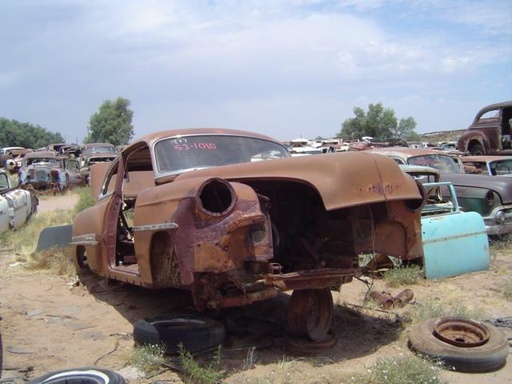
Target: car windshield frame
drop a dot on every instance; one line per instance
(44, 161)
(100, 149)
(441, 162)
(500, 167)
(174, 155)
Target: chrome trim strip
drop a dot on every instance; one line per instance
(155, 227)
(87, 239)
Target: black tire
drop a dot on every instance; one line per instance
(482, 358)
(196, 333)
(477, 150)
(80, 376)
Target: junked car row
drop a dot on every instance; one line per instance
(57, 167)
(54, 169)
(490, 196)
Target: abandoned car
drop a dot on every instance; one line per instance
(488, 165)
(16, 205)
(490, 133)
(454, 242)
(490, 196)
(231, 217)
(91, 149)
(43, 170)
(92, 159)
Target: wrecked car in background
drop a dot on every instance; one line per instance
(16, 205)
(92, 159)
(91, 149)
(213, 216)
(454, 242)
(490, 196)
(43, 170)
(490, 133)
(488, 165)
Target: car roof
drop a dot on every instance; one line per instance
(407, 152)
(156, 136)
(490, 107)
(484, 158)
(37, 154)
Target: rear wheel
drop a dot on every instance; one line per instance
(310, 314)
(477, 150)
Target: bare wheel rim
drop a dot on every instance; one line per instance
(310, 313)
(461, 332)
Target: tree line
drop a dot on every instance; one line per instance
(112, 123)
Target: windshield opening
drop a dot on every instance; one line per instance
(502, 167)
(443, 163)
(184, 153)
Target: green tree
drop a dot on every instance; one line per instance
(112, 123)
(405, 129)
(378, 122)
(16, 134)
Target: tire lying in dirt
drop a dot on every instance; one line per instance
(194, 332)
(80, 376)
(465, 345)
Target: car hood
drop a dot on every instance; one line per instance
(498, 184)
(342, 179)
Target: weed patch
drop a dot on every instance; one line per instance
(210, 374)
(85, 199)
(406, 275)
(506, 290)
(436, 309)
(402, 370)
(148, 358)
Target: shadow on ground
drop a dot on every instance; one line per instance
(256, 329)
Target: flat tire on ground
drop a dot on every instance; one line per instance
(195, 333)
(489, 356)
(80, 376)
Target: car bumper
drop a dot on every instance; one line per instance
(498, 229)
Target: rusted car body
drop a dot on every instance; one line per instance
(43, 170)
(230, 216)
(454, 242)
(488, 165)
(490, 133)
(16, 205)
(490, 196)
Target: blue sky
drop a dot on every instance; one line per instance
(286, 68)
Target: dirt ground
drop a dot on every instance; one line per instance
(51, 322)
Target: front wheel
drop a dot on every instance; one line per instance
(310, 314)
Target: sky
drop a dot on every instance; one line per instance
(285, 68)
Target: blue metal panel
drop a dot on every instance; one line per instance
(454, 244)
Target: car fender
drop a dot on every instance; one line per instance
(472, 136)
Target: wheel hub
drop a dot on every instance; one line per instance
(461, 332)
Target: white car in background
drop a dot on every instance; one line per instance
(16, 205)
